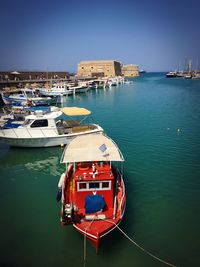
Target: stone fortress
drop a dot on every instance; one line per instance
(106, 68)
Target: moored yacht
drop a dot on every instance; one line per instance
(57, 89)
(46, 129)
(171, 74)
(25, 95)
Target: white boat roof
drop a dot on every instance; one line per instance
(91, 147)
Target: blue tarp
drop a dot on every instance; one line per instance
(34, 108)
(94, 203)
(9, 124)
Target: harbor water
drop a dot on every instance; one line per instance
(155, 122)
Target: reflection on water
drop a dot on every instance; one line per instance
(43, 160)
(49, 165)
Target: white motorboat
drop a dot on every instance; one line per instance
(57, 89)
(171, 74)
(53, 128)
(113, 81)
(25, 95)
(187, 76)
(78, 87)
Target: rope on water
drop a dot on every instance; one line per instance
(84, 250)
(147, 252)
(85, 243)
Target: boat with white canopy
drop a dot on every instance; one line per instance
(53, 128)
(92, 188)
(57, 89)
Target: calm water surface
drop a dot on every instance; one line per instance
(155, 122)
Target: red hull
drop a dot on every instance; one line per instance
(95, 238)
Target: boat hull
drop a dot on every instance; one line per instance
(50, 141)
(95, 239)
(8, 100)
(55, 93)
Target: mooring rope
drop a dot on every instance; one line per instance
(147, 252)
(85, 243)
(84, 250)
(129, 238)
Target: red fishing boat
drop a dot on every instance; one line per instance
(92, 190)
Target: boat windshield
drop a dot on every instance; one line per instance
(27, 122)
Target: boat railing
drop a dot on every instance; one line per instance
(115, 207)
(116, 192)
(122, 197)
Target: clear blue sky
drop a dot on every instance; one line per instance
(49, 35)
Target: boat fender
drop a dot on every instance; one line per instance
(59, 195)
(62, 177)
(60, 183)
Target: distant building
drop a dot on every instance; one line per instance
(99, 68)
(130, 70)
(32, 75)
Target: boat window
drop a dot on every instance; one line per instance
(105, 184)
(82, 186)
(39, 123)
(90, 186)
(93, 185)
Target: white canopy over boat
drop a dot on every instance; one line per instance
(75, 111)
(91, 147)
(56, 112)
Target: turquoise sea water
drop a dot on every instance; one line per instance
(155, 122)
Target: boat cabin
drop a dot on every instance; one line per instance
(93, 179)
(41, 118)
(91, 187)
